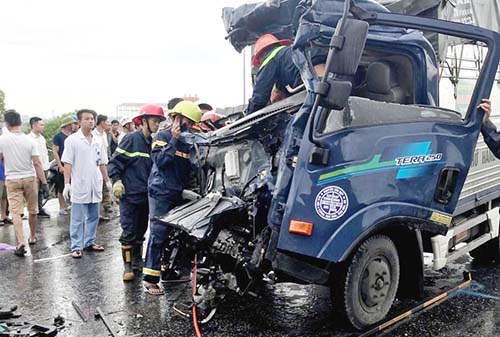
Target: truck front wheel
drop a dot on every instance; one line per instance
(365, 291)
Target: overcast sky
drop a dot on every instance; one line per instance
(61, 55)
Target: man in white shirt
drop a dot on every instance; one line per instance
(84, 173)
(37, 126)
(100, 133)
(22, 165)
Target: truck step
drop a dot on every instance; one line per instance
(440, 243)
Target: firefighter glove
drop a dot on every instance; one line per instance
(118, 189)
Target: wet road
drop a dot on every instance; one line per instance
(44, 289)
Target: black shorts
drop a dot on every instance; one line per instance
(59, 186)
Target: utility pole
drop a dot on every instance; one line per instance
(244, 78)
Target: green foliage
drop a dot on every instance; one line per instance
(2, 105)
(26, 128)
(52, 128)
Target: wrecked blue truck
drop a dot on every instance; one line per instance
(348, 182)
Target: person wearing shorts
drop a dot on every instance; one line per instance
(22, 166)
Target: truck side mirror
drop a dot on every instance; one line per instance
(337, 96)
(348, 48)
(343, 60)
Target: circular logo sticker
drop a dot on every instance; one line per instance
(331, 203)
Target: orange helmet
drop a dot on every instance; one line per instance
(265, 41)
(149, 110)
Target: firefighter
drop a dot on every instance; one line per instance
(173, 161)
(273, 59)
(129, 169)
(211, 121)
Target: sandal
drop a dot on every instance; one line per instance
(32, 242)
(20, 251)
(94, 248)
(76, 254)
(153, 289)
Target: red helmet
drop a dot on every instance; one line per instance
(265, 41)
(214, 119)
(149, 110)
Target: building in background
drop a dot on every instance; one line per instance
(131, 110)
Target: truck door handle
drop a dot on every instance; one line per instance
(446, 185)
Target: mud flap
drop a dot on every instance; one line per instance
(410, 250)
(298, 270)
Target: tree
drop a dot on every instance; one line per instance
(2, 105)
(52, 128)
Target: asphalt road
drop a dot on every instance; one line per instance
(44, 289)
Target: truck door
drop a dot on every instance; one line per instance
(383, 160)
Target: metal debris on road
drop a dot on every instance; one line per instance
(52, 258)
(79, 311)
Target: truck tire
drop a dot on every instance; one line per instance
(488, 252)
(364, 291)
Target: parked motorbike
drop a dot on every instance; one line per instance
(51, 181)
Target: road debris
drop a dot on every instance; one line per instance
(100, 314)
(79, 311)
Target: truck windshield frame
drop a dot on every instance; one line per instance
(482, 87)
(491, 39)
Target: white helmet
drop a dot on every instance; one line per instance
(125, 120)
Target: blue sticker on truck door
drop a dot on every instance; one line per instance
(410, 160)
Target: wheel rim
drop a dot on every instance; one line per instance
(375, 283)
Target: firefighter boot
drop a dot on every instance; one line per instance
(137, 261)
(128, 273)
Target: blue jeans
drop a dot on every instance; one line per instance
(83, 225)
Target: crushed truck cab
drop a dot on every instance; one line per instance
(348, 182)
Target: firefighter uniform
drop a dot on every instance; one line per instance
(276, 69)
(129, 169)
(131, 163)
(173, 162)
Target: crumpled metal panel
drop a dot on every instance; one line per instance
(247, 22)
(197, 217)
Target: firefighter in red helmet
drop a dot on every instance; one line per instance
(129, 170)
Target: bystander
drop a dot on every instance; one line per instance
(22, 165)
(3, 206)
(113, 135)
(84, 174)
(127, 127)
(3, 192)
(68, 127)
(37, 126)
(100, 133)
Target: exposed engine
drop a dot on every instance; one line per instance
(227, 227)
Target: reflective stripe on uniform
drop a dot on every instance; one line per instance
(182, 154)
(159, 143)
(132, 154)
(150, 272)
(270, 56)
